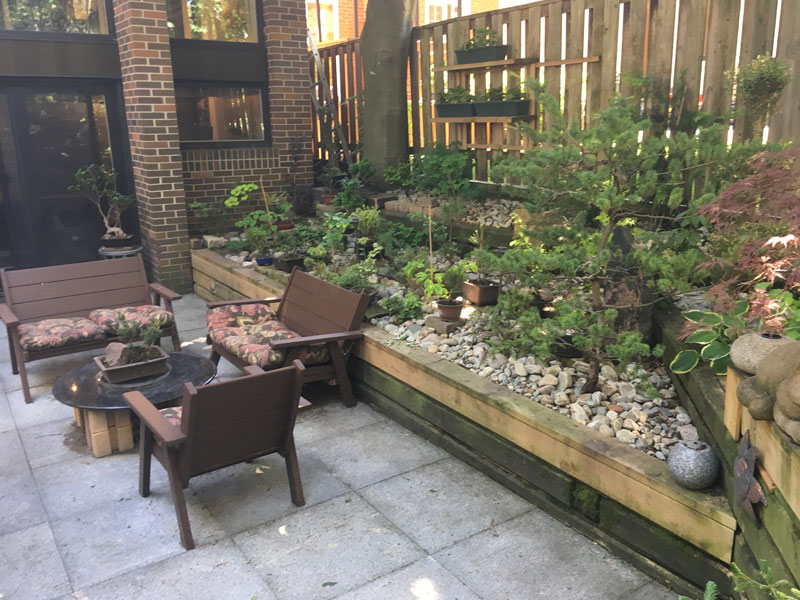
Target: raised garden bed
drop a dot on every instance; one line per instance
(612, 492)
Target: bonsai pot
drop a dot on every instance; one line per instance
(138, 370)
(263, 262)
(455, 109)
(287, 264)
(366, 290)
(482, 54)
(481, 294)
(450, 310)
(116, 242)
(506, 108)
(284, 225)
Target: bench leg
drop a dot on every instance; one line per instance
(13, 355)
(178, 499)
(293, 471)
(342, 378)
(23, 373)
(145, 458)
(176, 341)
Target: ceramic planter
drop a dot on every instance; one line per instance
(450, 310)
(263, 262)
(455, 109)
(482, 54)
(284, 225)
(287, 264)
(366, 290)
(139, 370)
(506, 108)
(116, 242)
(481, 295)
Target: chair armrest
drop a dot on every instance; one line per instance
(7, 315)
(165, 432)
(272, 300)
(164, 292)
(316, 339)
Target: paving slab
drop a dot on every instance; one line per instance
(45, 372)
(6, 418)
(430, 503)
(425, 579)
(30, 565)
(211, 572)
(12, 454)
(374, 453)
(246, 495)
(327, 549)
(80, 484)
(330, 418)
(53, 442)
(43, 409)
(534, 556)
(190, 312)
(20, 505)
(121, 536)
(651, 591)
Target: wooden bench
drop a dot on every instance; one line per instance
(34, 296)
(319, 316)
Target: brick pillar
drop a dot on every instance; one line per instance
(289, 94)
(149, 93)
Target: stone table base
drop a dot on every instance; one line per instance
(107, 431)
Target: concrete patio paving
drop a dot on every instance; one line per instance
(388, 515)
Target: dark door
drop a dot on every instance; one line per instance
(47, 132)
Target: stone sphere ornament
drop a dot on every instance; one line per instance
(693, 465)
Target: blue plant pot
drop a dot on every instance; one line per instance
(263, 262)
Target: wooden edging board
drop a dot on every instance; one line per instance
(630, 477)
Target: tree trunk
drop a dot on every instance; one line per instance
(385, 44)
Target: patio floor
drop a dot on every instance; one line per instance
(388, 515)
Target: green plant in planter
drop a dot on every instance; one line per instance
(483, 37)
(515, 93)
(485, 264)
(714, 333)
(399, 176)
(350, 196)
(454, 95)
(258, 239)
(98, 184)
(240, 194)
(494, 94)
(359, 274)
(331, 174)
(453, 279)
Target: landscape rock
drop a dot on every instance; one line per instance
(758, 402)
(214, 241)
(777, 365)
(748, 350)
(548, 379)
(625, 436)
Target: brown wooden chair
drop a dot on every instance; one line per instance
(315, 321)
(219, 425)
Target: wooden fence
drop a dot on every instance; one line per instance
(581, 50)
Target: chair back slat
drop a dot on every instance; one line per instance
(230, 421)
(311, 306)
(76, 289)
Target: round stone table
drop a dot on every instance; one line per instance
(101, 410)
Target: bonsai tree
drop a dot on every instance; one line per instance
(98, 184)
(126, 351)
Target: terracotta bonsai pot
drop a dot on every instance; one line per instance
(481, 295)
(138, 370)
(284, 225)
(450, 310)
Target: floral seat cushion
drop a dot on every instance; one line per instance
(252, 344)
(141, 316)
(55, 333)
(173, 415)
(239, 315)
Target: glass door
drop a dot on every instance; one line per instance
(51, 134)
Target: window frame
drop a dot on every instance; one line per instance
(259, 8)
(61, 36)
(262, 86)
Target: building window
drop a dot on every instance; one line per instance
(220, 20)
(60, 16)
(328, 20)
(219, 114)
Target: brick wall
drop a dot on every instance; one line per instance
(208, 175)
(149, 94)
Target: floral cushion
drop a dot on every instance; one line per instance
(251, 344)
(141, 316)
(55, 333)
(172, 415)
(239, 315)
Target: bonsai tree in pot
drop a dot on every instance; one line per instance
(453, 281)
(98, 184)
(483, 291)
(125, 361)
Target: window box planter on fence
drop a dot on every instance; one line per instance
(455, 109)
(482, 54)
(506, 108)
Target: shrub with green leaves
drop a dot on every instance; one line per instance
(485, 36)
(714, 334)
(407, 308)
(760, 85)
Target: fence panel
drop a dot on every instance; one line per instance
(586, 75)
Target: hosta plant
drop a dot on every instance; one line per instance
(713, 333)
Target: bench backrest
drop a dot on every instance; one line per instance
(231, 421)
(75, 290)
(311, 306)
